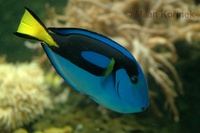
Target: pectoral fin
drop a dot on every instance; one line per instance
(109, 79)
(110, 67)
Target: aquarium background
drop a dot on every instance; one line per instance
(71, 112)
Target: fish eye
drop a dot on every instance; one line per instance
(134, 79)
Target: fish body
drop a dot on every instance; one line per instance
(92, 64)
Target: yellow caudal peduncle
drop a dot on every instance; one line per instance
(31, 27)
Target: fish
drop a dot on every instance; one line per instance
(91, 63)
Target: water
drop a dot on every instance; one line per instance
(77, 113)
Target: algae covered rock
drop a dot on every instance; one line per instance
(20, 130)
(66, 129)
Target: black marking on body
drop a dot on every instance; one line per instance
(71, 46)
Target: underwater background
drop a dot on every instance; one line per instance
(34, 99)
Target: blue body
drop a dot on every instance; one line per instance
(115, 91)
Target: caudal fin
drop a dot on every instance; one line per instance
(31, 27)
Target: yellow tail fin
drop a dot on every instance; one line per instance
(32, 27)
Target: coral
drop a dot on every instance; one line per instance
(150, 38)
(23, 94)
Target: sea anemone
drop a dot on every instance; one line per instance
(23, 94)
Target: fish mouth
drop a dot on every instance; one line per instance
(144, 109)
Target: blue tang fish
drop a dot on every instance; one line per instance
(91, 63)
